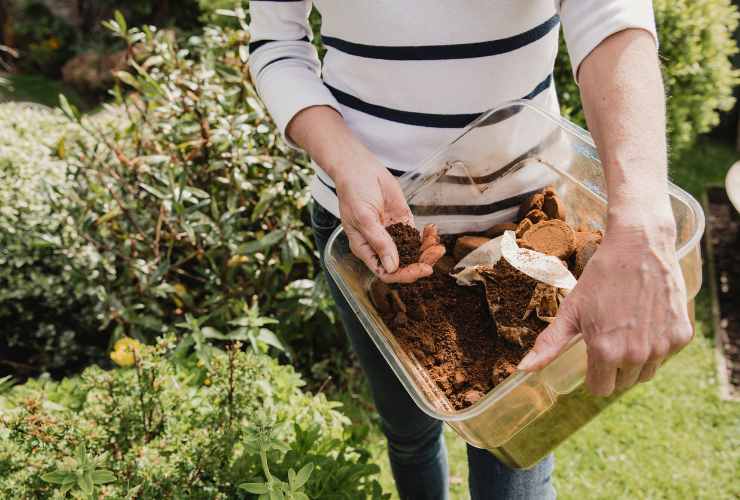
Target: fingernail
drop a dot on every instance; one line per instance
(527, 362)
(388, 264)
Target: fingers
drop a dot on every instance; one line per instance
(551, 341)
(627, 376)
(601, 375)
(429, 237)
(431, 255)
(648, 371)
(408, 274)
(370, 230)
(363, 251)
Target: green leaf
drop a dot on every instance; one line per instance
(265, 198)
(121, 21)
(154, 191)
(86, 484)
(127, 78)
(269, 338)
(256, 488)
(59, 477)
(263, 243)
(212, 333)
(299, 495)
(303, 475)
(6, 383)
(103, 476)
(69, 109)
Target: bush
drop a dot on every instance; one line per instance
(696, 47)
(167, 429)
(48, 305)
(196, 204)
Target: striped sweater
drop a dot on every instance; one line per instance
(408, 75)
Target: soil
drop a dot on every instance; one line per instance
(724, 222)
(471, 338)
(408, 241)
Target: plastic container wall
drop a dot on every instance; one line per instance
(505, 154)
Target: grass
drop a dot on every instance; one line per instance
(670, 438)
(38, 89)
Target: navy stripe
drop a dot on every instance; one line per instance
(420, 119)
(273, 62)
(256, 45)
(496, 206)
(440, 52)
(322, 181)
(440, 210)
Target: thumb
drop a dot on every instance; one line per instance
(552, 340)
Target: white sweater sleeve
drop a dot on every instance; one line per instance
(283, 63)
(586, 23)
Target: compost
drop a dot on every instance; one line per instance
(471, 338)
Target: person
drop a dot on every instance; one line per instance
(401, 79)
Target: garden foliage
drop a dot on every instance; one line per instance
(237, 426)
(195, 204)
(696, 49)
(188, 211)
(48, 301)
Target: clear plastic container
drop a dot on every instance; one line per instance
(510, 150)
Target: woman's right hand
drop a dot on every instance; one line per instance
(370, 199)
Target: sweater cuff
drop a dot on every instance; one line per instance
(289, 86)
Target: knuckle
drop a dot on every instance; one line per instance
(605, 350)
(660, 350)
(683, 336)
(635, 355)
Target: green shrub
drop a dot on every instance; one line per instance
(173, 429)
(196, 204)
(48, 312)
(696, 46)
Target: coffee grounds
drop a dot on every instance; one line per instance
(508, 293)
(471, 338)
(408, 242)
(451, 331)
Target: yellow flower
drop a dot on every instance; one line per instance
(207, 381)
(237, 260)
(180, 291)
(124, 350)
(53, 43)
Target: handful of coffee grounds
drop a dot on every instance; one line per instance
(470, 338)
(408, 242)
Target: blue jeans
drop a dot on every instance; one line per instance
(416, 446)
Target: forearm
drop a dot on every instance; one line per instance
(324, 135)
(624, 102)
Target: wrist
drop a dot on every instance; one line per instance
(649, 221)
